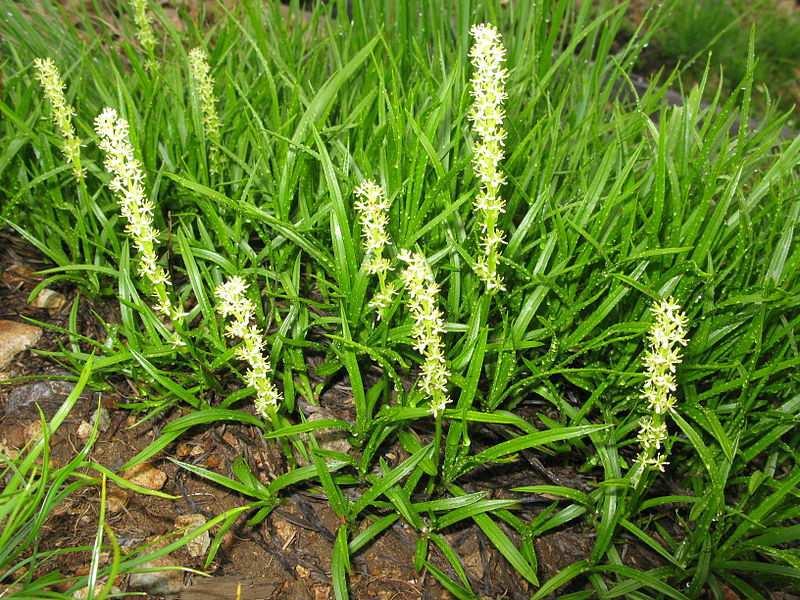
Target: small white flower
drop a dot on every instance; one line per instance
(233, 303)
(383, 299)
(372, 207)
(488, 91)
(128, 184)
(666, 336)
(204, 88)
(62, 112)
(428, 328)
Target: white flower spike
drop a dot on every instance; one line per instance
(234, 303)
(62, 112)
(488, 91)
(144, 29)
(428, 328)
(372, 208)
(666, 338)
(128, 184)
(204, 88)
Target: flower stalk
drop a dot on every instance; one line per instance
(128, 185)
(204, 88)
(61, 111)
(486, 114)
(423, 292)
(234, 304)
(372, 207)
(666, 338)
(144, 30)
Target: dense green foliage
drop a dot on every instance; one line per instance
(613, 200)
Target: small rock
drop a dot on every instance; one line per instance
(183, 450)
(116, 501)
(84, 430)
(168, 582)
(199, 545)
(18, 275)
(49, 395)
(14, 338)
(85, 427)
(198, 450)
(102, 416)
(231, 440)
(213, 462)
(285, 531)
(83, 593)
(50, 300)
(147, 476)
(8, 451)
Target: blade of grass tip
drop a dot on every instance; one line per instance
(458, 591)
(343, 248)
(340, 564)
(452, 557)
(372, 531)
(506, 547)
(98, 541)
(113, 570)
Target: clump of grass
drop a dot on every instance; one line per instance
(34, 488)
(600, 209)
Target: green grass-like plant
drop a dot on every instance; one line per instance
(611, 201)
